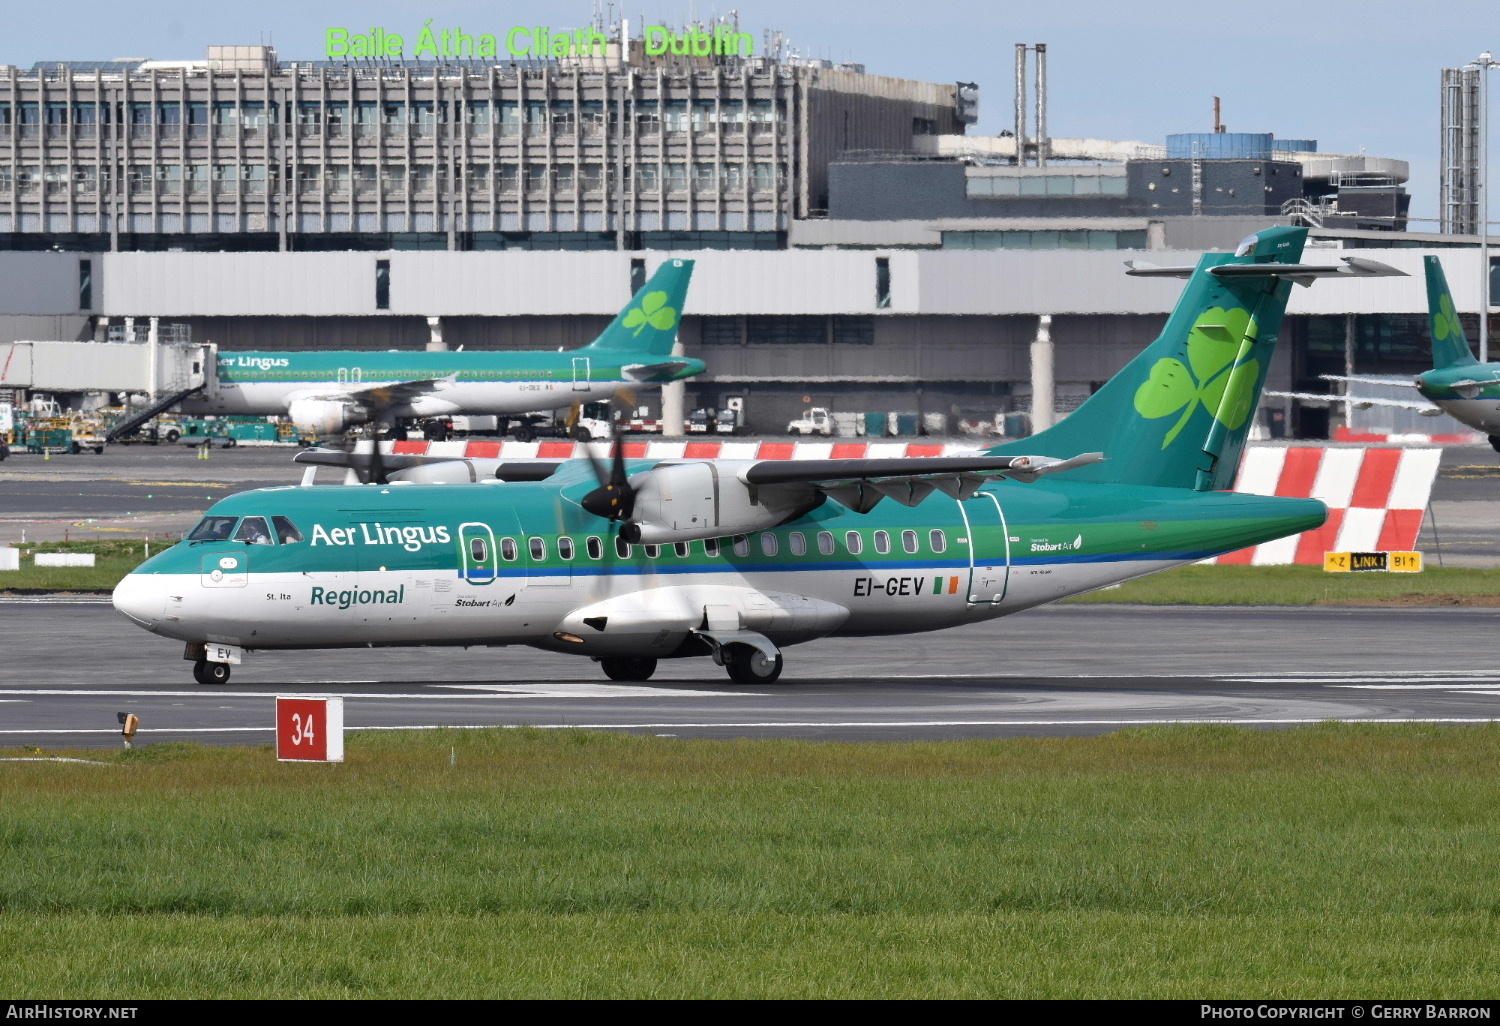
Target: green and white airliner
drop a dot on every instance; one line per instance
(334, 390)
(1458, 384)
(735, 560)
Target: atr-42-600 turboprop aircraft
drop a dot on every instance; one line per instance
(736, 559)
(1458, 384)
(330, 391)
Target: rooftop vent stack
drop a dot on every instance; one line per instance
(1458, 193)
(1041, 104)
(1020, 104)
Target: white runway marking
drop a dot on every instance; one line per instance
(593, 690)
(1389, 682)
(486, 691)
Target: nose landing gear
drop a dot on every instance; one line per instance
(205, 672)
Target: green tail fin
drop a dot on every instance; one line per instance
(1177, 415)
(1450, 347)
(648, 324)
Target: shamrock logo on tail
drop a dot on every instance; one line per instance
(1446, 323)
(653, 311)
(1206, 377)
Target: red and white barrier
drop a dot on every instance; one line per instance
(1343, 434)
(1375, 498)
(676, 450)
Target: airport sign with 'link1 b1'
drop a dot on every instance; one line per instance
(1353, 562)
(532, 41)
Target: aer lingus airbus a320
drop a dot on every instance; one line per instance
(333, 390)
(738, 559)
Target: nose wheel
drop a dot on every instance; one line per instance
(205, 672)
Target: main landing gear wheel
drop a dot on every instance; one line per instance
(749, 665)
(205, 672)
(628, 667)
(1495, 442)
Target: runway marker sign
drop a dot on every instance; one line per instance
(1353, 562)
(309, 729)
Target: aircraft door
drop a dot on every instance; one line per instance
(478, 555)
(581, 374)
(343, 375)
(989, 548)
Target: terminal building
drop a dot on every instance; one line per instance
(858, 248)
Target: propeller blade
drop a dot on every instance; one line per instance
(377, 460)
(614, 499)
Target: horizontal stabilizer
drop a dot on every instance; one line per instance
(664, 370)
(1302, 274)
(1358, 402)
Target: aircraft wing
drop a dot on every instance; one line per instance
(861, 484)
(379, 398)
(1360, 401)
(661, 370)
(1302, 274)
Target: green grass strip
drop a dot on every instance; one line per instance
(1339, 860)
(1306, 586)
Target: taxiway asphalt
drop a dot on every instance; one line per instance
(69, 669)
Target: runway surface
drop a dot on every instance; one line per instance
(69, 669)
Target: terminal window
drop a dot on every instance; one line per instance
(1045, 240)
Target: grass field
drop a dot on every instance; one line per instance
(1336, 861)
(1307, 585)
(114, 559)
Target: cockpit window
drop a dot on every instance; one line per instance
(253, 531)
(213, 529)
(286, 531)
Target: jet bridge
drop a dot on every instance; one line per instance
(75, 367)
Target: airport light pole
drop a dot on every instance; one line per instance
(1484, 63)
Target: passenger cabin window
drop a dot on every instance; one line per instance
(682, 549)
(768, 543)
(565, 548)
(253, 531)
(213, 529)
(479, 551)
(938, 540)
(741, 545)
(882, 542)
(909, 541)
(797, 542)
(508, 548)
(538, 548)
(825, 543)
(595, 548)
(710, 546)
(622, 547)
(286, 531)
(855, 543)
(652, 551)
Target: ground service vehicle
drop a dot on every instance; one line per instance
(816, 421)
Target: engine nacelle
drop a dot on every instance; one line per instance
(685, 501)
(325, 416)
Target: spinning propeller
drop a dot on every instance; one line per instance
(614, 499)
(369, 470)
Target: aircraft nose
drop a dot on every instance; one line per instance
(142, 598)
